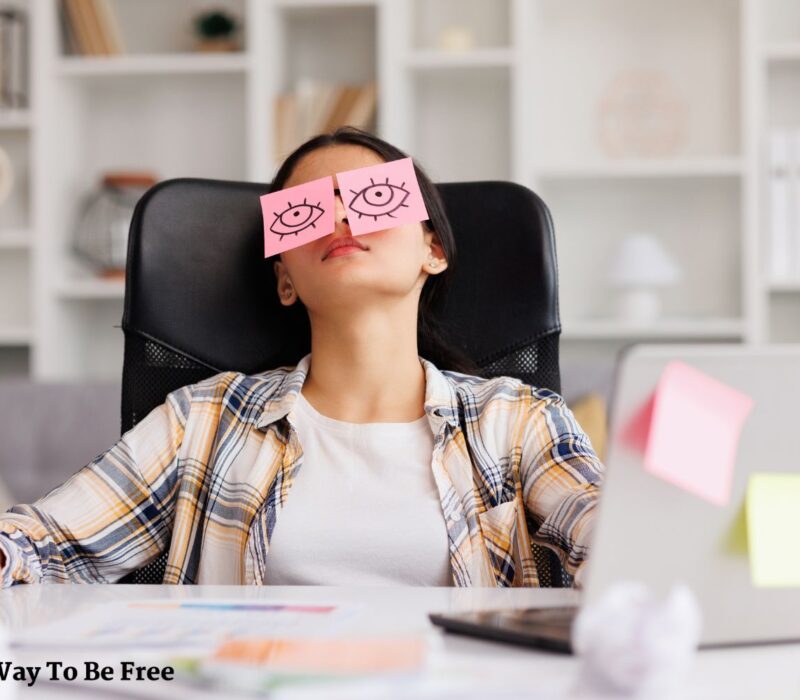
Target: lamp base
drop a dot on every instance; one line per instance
(639, 305)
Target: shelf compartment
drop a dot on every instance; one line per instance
(155, 26)
(451, 147)
(480, 23)
(597, 62)
(697, 221)
(310, 36)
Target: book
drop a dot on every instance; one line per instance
(96, 38)
(285, 121)
(77, 28)
(362, 110)
(344, 104)
(109, 30)
(781, 214)
(313, 108)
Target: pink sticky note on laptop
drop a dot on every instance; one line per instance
(297, 215)
(689, 431)
(381, 196)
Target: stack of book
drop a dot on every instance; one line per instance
(315, 108)
(91, 27)
(13, 59)
(784, 205)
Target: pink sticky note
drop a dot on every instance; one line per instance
(298, 215)
(693, 433)
(381, 196)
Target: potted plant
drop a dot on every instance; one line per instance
(216, 31)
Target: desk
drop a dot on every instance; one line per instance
(764, 672)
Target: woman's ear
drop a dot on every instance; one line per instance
(286, 292)
(436, 260)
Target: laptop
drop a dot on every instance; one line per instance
(651, 531)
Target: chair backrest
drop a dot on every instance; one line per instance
(199, 298)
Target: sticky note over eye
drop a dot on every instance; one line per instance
(381, 196)
(689, 431)
(298, 215)
(773, 524)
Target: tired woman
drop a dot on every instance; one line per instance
(382, 457)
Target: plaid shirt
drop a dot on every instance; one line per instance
(205, 475)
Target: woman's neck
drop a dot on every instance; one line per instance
(366, 370)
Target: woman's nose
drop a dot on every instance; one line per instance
(341, 212)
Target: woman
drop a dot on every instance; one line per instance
(386, 460)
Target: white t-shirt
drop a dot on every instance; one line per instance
(363, 509)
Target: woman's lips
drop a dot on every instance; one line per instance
(344, 250)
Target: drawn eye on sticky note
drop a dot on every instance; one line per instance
(382, 196)
(688, 430)
(298, 215)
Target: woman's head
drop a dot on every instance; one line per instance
(411, 263)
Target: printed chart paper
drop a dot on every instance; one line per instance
(171, 623)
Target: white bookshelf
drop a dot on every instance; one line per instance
(519, 101)
(17, 336)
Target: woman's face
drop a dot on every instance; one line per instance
(388, 264)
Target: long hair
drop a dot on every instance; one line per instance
(432, 341)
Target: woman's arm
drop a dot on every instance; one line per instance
(561, 476)
(110, 518)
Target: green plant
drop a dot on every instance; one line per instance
(215, 24)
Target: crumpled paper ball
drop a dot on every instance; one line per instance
(632, 644)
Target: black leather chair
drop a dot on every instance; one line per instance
(200, 298)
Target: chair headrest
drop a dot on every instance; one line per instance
(197, 282)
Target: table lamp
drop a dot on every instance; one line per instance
(641, 269)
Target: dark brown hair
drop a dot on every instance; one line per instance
(432, 342)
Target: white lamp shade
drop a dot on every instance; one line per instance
(642, 261)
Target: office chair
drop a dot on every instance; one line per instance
(200, 298)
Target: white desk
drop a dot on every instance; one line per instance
(756, 672)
